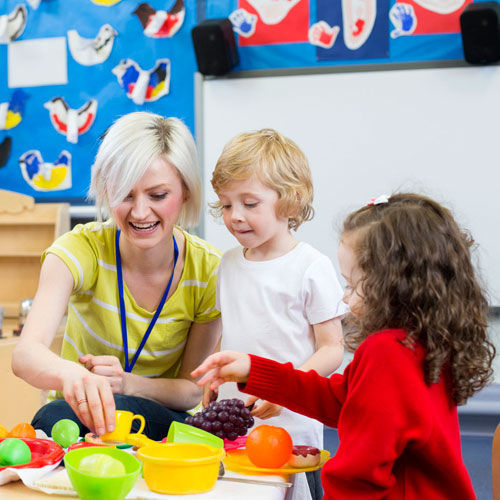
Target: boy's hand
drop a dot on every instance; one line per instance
(264, 409)
(225, 366)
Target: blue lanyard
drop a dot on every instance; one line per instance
(123, 318)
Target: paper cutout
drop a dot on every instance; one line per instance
(34, 3)
(5, 148)
(441, 6)
(71, 122)
(243, 22)
(272, 11)
(90, 51)
(11, 113)
(159, 23)
(12, 25)
(358, 19)
(402, 16)
(107, 3)
(323, 35)
(42, 176)
(37, 61)
(143, 85)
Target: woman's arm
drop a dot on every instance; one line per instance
(181, 393)
(32, 360)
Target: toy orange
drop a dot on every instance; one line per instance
(22, 430)
(3, 431)
(269, 446)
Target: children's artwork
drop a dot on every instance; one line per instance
(34, 4)
(277, 21)
(364, 29)
(243, 22)
(90, 51)
(11, 113)
(107, 3)
(71, 122)
(12, 25)
(160, 23)
(143, 85)
(402, 16)
(43, 176)
(5, 147)
(323, 35)
(433, 16)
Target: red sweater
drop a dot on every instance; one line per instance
(399, 438)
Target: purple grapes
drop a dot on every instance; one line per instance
(227, 419)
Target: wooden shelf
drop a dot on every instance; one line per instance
(25, 232)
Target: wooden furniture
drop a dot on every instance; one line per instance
(26, 230)
(495, 464)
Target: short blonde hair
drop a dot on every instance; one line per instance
(277, 162)
(127, 150)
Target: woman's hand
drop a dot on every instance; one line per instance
(91, 398)
(106, 366)
(225, 366)
(209, 395)
(264, 409)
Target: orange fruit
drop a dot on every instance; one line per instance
(3, 431)
(22, 430)
(269, 446)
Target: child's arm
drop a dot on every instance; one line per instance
(330, 348)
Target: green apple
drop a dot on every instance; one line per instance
(14, 451)
(65, 432)
(101, 465)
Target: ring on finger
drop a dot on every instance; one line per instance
(81, 401)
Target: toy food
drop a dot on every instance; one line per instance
(304, 456)
(65, 432)
(14, 451)
(3, 431)
(227, 419)
(269, 446)
(22, 430)
(101, 465)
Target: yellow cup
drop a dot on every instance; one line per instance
(123, 426)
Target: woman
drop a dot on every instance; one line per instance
(139, 290)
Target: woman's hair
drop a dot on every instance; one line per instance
(277, 162)
(417, 274)
(127, 150)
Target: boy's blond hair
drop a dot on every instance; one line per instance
(277, 162)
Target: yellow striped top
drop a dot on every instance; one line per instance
(93, 325)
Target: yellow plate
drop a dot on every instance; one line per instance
(237, 461)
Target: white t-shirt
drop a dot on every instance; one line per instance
(268, 309)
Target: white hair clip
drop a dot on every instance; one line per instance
(383, 198)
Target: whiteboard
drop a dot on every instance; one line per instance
(434, 131)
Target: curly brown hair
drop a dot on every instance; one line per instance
(417, 275)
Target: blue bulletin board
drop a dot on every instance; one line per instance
(75, 66)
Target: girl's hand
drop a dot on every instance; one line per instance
(225, 366)
(91, 399)
(106, 366)
(264, 409)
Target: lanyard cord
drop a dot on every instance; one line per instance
(123, 317)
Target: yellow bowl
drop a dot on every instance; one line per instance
(180, 468)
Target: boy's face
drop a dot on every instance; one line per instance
(352, 274)
(249, 212)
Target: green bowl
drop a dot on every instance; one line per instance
(179, 432)
(91, 487)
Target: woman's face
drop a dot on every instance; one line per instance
(149, 212)
(352, 274)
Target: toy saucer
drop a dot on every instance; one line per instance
(43, 452)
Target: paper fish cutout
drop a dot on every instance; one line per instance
(143, 85)
(71, 122)
(12, 25)
(90, 51)
(11, 113)
(107, 3)
(159, 23)
(43, 176)
(5, 147)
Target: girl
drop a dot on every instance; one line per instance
(422, 349)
